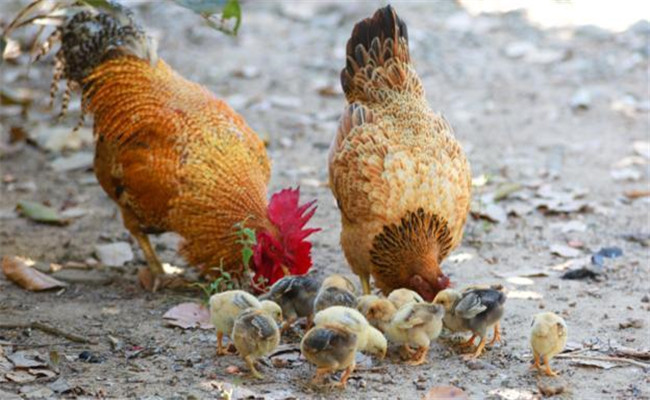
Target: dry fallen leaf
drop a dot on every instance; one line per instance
(445, 393)
(565, 251)
(636, 194)
(189, 316)
(20, 376)
(20, 271)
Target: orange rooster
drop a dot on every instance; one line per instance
(176, 158)
(401, 180)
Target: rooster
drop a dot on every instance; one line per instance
(173, 156)
(400, 178)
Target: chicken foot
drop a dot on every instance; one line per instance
(251, 365)
(155, 267)
(419, 357)
(497, 335)
(221, 351)
(479, 350)
(345, 376)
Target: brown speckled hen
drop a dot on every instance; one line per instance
(172, 155)
(400, 177)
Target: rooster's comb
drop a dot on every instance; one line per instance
(289, 217)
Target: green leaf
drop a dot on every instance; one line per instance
(228, 9)
(246, 253)
(232, 10)
(40, 213)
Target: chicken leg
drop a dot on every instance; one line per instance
(479, 349)
(547, 368)
(221, 351)
(319, 376)
(345, 376)
(420, 356)
(497, 335)
(469, 342)
(155, 267)
(251, 365)
(365, 283)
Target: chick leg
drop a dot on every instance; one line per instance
(536, 365)
(420, 356)
(287, 325)
(479, 349)
(220, 349)
(251, 364)
(547, 368)
(365, 283)
(497, 335)
(319, 376)
(155, 267)
(310, 323)
(345, 376)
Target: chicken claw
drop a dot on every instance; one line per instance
(497, 335)
(420, 357)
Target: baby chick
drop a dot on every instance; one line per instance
(295, 295)
(379, 312)
(403, 296)
(331, 348)
(364, 301)
(225, 306)
(336, 290)
(255, 334)
(416, 324)
(547, 338)
(369, 339)
(473, 310)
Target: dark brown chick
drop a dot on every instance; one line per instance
(255, 334)
(474, 310)
(295, 295)
(330, 348)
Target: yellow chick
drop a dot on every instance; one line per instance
(547, 338)
(369, 339)
(336, 290)
(330, 348)
(416, 324)
(364, 301)
(255, 334)
(379, 313)
(401, 297)
(295, 295)
(225, 306)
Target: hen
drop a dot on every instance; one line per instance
(173, 156)
(401, 179)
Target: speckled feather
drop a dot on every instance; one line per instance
(394, 160)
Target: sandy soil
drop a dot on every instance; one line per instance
(508, 89)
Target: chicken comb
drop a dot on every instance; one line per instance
(289, 217)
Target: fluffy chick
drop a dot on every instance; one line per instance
(403, 296)
(369, 339)
(379, 313)
(331, 348)
(336, 290)
(547, 338)
(364, 301)
(416, 324)
(474, 310)
(225, 306)
(255, 334)
(295, 295)
(339, 281)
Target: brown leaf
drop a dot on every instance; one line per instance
(636, 194)
(232, 369)
(445, 393)
(189, 316)
(19, 270)
(20, 376)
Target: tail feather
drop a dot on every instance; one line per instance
(378, 59)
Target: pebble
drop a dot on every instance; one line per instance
(81, 160)
(114, 254)
(581, 100)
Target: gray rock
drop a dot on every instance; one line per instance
(81, 160)
(114, 254)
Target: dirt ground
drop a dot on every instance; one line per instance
(555, 123)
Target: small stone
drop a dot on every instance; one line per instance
(581, 100)
(81, 160)
(9, 396)
(645, 299)
(87, 356)
(114, 254)
(35, 392)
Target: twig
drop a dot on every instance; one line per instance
(48, 329)
(605, 358)
(371, 369)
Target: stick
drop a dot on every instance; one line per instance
(606, 358)
(48, 329)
